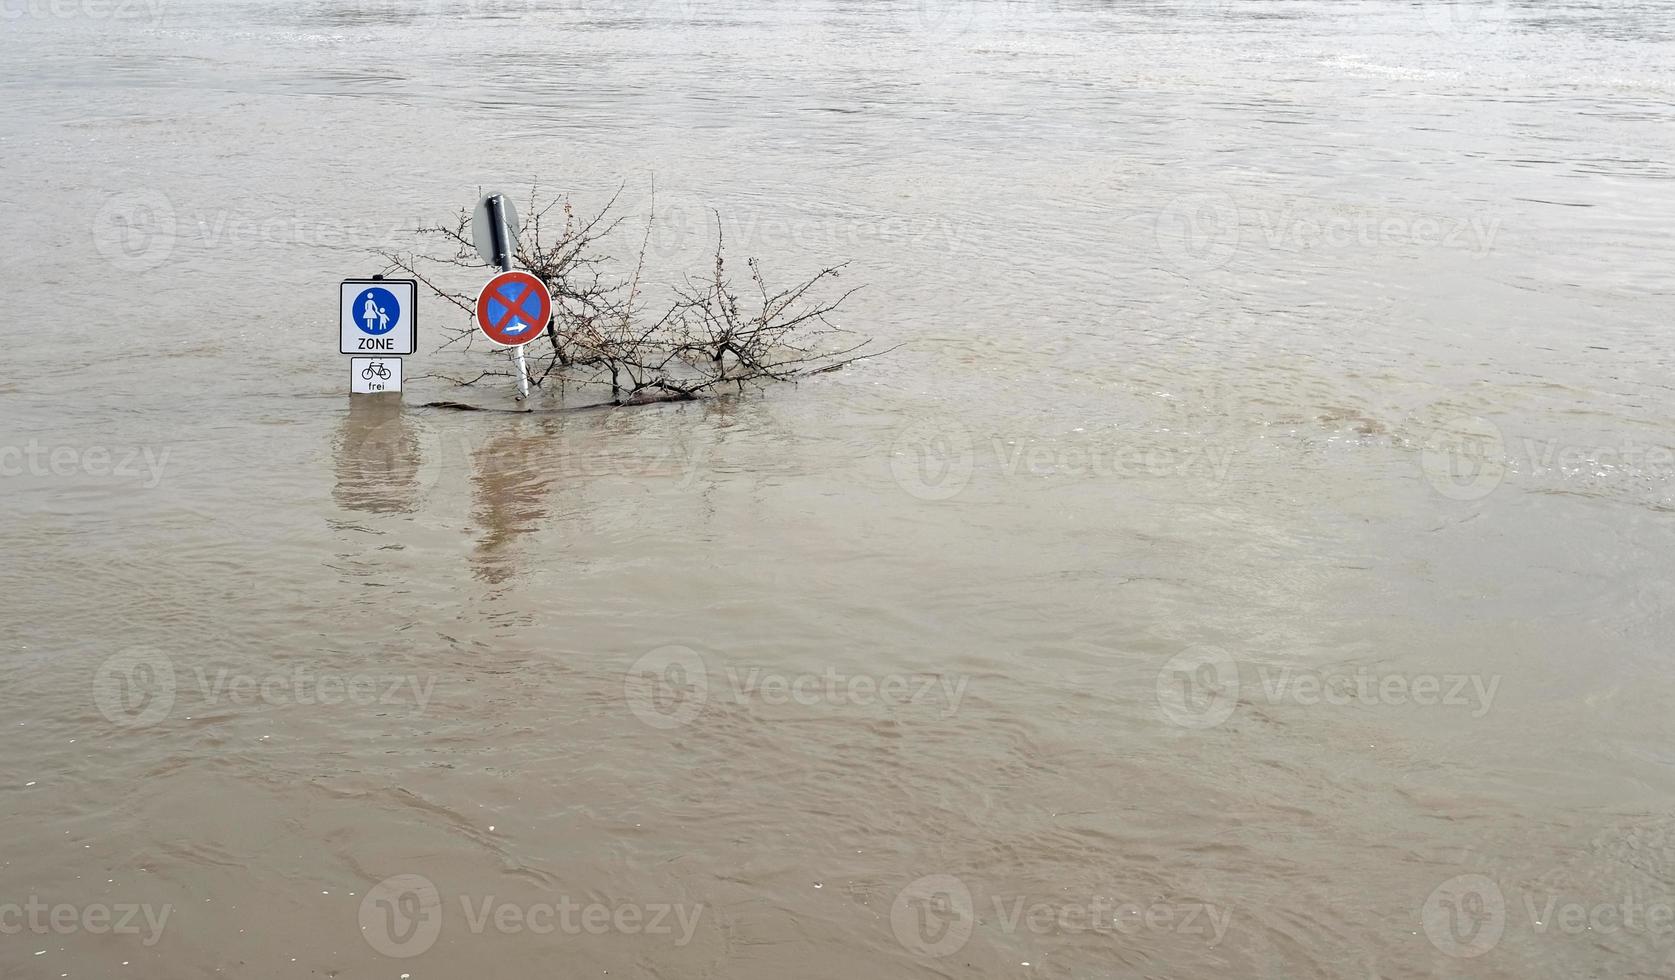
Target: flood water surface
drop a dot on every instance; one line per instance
(1253, 559)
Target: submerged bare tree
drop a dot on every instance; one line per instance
(606, 335)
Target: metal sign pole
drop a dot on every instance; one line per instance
(503, 259)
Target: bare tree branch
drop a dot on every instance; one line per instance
(604, 336)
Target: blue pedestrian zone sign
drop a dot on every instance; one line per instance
(378, 316)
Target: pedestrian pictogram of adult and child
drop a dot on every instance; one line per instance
(379, 311)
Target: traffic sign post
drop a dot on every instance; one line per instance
(378, 316)
(515, 306)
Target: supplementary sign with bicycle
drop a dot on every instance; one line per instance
(371, 375)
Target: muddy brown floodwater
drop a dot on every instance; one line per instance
(1255, 560)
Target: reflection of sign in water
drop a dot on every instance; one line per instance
(513, 308)
(512, 475)
(379, 462)
(378, 316)
(371, 375)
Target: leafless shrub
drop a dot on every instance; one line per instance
(605, 334)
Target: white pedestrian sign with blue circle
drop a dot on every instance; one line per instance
(378, 316)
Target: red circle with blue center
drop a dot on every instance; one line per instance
(513, 308)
